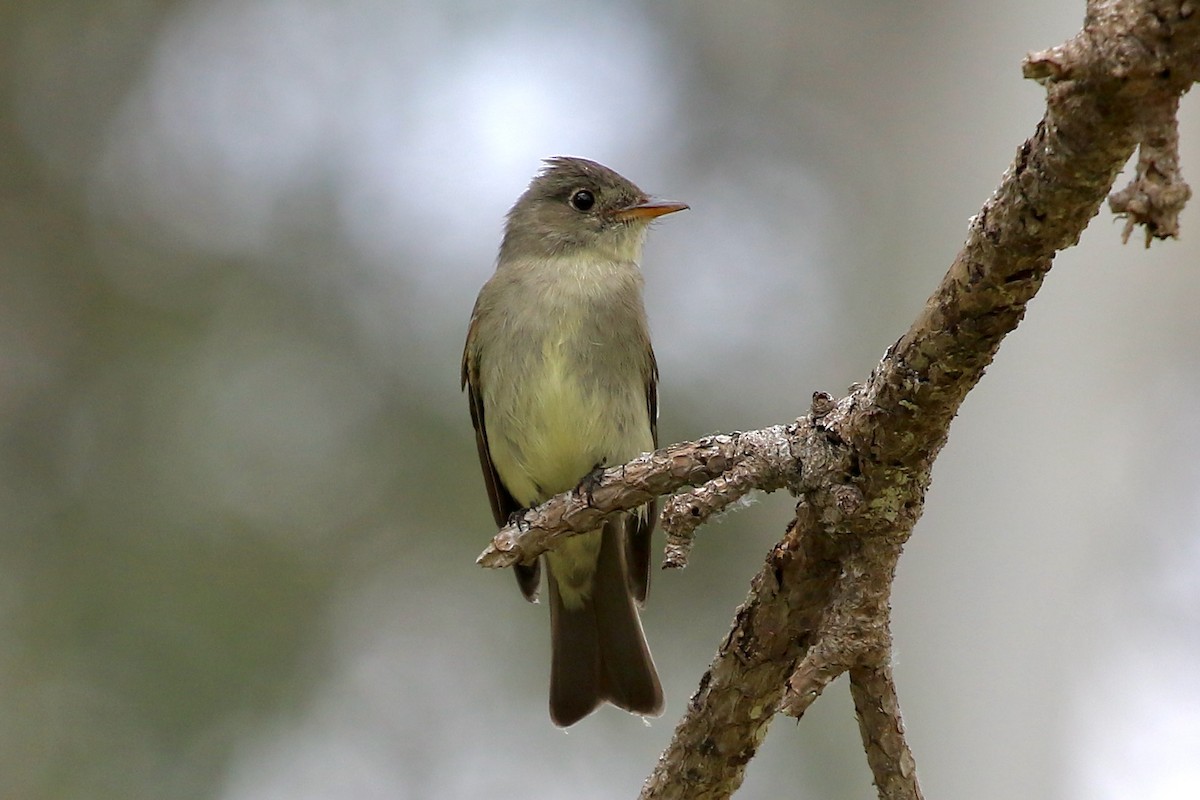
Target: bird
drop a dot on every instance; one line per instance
(562, 381)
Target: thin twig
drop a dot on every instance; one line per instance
(764, 456)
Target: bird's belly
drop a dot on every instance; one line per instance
(571, 430)
(564, 423)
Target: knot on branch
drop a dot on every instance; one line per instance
(1048, 66)
(822, 404)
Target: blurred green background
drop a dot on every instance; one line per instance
(240, 503)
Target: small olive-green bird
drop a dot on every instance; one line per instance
(562, 380)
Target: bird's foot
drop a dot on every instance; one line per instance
(587, 486)
(517, 518)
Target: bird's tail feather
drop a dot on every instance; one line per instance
(599, 649)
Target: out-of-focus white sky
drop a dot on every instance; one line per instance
(240, 243)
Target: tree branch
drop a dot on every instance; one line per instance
(727, 466)
(861, 466)
(882, 730)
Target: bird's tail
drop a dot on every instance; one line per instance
(599, 649)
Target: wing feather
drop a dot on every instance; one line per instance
(502, 502)
(640, 526)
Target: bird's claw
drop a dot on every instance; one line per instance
(588, 484)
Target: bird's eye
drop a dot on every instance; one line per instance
(583, 200)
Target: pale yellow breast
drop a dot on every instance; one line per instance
(563, 427)
(572, 425)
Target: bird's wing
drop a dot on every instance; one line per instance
(640, 527)
(503, 504)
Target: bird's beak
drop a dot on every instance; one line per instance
(649, 210)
